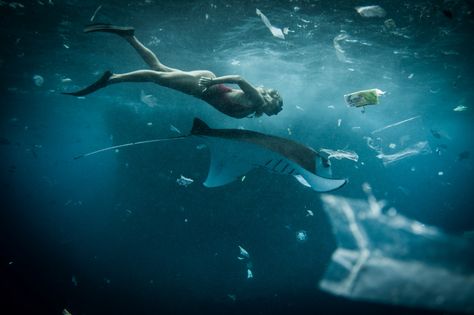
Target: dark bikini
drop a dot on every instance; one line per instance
(217, 96)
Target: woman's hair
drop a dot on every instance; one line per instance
(272, 104)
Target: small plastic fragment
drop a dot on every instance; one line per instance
(173, 128)
(460, 108)
(184, 181)
(371, 11)
(243, 252)
(38, 80)
(301, 236)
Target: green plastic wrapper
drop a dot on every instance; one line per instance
(363, 98)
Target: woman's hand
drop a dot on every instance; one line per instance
(205, 83)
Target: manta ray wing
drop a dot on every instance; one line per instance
(229, 161)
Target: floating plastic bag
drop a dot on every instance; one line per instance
(388, 258)
(277, 32)
(363, 98)
(371, 11)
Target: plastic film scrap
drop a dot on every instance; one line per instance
(388, 258)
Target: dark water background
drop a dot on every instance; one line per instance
(114, 233)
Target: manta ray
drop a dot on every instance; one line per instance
(235, 152)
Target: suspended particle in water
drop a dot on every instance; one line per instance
(249, 274)
(301, 236)
(38, 80)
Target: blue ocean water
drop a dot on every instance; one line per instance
(115, 233)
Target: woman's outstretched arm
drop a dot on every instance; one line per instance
(246, 87)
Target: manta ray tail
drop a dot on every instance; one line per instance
(130, 144)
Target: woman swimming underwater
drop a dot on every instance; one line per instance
(203, 84)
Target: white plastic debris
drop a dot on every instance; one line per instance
(95, 13)
(38, 80)
(395, 124)
(440, 173)
(420, 148)
(341, 53)
(249, 274)
(309, 213)
(74, 280)
(460, 108)
(184, 181)
(301, 236)
(174, 129)
(392, 145)
(371, 11)
(201, 146)
(339, 121)
(277, 32)
(243, 252)
(341, 154)
(149, 99)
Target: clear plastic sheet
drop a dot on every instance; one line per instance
(388, 258)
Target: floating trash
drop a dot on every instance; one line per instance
(363, 98)
(184, 181)
(243, 252)
(38, 80)
(249, 274)
(277, 32)
(174, 129)
(341, 53)
(341, 154)
(388, 258)
(309, 213)
(371, 11)
(74, 281)
(149, 100)
(395, 124)
(420, 148)
(95, 13)
(301, 236)
(390, 24)
(460, 108)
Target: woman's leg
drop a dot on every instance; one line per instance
(184, 82)
(128, 33)
(148, 56)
